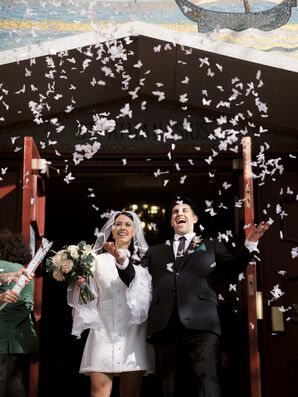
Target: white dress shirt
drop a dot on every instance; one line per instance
(188, 237)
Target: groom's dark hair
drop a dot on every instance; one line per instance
(184, 200)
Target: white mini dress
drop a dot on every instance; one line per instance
(117, 320)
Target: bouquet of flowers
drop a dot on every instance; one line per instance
(70, 263)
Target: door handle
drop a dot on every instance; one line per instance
(277, 319)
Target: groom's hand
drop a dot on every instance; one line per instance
(257, 231)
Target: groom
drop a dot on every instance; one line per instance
(183, 318)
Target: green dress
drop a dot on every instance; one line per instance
(17, 331)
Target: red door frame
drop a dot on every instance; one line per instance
(33, 221)
(251, 274)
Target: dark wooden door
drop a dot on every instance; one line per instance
(10, 195)
(278, 279)
(33, 222)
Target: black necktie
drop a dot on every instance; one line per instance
(181, 247)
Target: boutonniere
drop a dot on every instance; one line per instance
(197, 244)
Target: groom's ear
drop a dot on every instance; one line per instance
(195, 219)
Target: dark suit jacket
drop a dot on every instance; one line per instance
(192, 286)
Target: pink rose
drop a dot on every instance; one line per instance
(67, 265)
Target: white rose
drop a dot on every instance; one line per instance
(59, 258)
(87, 250)
(73, 251)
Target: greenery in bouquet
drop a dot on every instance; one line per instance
(70, 263)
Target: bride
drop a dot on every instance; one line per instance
(116, 344)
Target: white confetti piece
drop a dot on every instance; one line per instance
(276, 293)
(170, 267)
(68, 178)
(294, 252)
(182, 179)
(241, 276)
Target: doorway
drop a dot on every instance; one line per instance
(75, 210)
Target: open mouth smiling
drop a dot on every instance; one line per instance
(122, 234)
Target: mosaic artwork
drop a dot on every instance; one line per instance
(209, 19)
(269, 25)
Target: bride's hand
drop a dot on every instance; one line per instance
(110, 247)
(80, 280)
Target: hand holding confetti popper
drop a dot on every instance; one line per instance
(33, 264)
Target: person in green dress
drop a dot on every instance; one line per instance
(18, 341)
